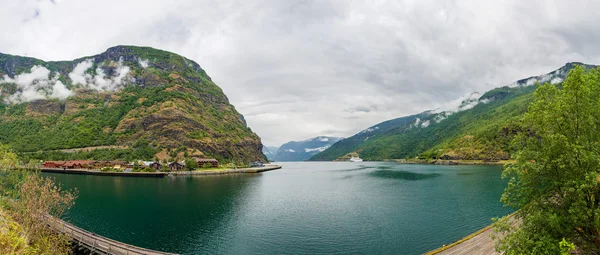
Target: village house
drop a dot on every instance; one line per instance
(105, 163)
(72, 165)
(118, 162)
(53, 164)
(155, 165)
(83, 163)
(175, 166)
(211, 161)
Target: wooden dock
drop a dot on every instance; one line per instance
(98, 244)
(251, 170)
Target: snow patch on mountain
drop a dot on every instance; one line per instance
(319, 149)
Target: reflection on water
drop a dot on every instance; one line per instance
(304, 208)
(402, 175)
(359, 168)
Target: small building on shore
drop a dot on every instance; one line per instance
(118, 162)
(84, 163)
(210, 161)
(155, 165)
(53, 164)
(72, 165)
(175, 166)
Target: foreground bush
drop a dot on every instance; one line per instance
(26, 199)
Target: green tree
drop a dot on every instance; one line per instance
(554, 181)
(8, 159)
(190, 164)
(136, 166)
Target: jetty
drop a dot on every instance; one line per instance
(250, 170)
(97, 244)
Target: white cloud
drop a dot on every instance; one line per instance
(143, 63)
(78, 75)
(556, 80)
(60, 91)
(306, 55)
(36, 84)
(100, 81)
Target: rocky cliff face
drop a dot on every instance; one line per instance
(156, 103)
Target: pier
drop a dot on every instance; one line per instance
(251, 170)
(98, 244)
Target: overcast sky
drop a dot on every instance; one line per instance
(299, 69)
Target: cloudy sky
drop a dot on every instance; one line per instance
(299, 68)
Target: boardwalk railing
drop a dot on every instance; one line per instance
(98, 244)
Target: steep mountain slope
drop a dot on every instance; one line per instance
(480, 128)
(270, 151)
(303, 150)
(139, 101)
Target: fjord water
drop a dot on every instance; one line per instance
(304, 208)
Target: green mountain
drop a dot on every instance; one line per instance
(481, 128)
(128, 103)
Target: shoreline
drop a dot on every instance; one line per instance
(479, 242)
(450, 162)
(251, 170)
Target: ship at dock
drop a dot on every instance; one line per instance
(356, 159)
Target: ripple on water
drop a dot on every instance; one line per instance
(402, 175)
(359, 168)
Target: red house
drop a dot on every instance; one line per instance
(53, 164)
(72, 165)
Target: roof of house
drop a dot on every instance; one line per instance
(55, 162)
(83, 162)
(206, 159)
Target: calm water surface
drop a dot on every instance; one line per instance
(304, 208)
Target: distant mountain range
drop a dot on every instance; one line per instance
(480, 128)
(300, 150)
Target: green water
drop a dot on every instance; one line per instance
(304, 208)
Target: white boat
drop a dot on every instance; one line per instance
(356, 159)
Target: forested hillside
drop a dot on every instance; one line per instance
(481, 128)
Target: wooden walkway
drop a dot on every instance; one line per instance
(479, 244)
(98, 244)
